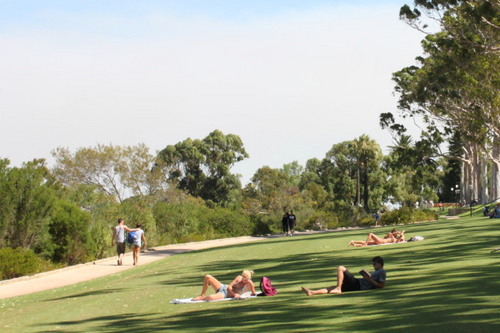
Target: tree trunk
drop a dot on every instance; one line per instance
(484, 195)
(495, 170)
(358, 184)
(366, 191)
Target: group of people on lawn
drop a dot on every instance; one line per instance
(346, 281)
(243, 282)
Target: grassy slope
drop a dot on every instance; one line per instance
(447, 283)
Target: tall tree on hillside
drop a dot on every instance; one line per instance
(202, 167)
(353, 165)
(118, 171)
(454, 88)
(271, 191)
(27, 199)
(413, 175)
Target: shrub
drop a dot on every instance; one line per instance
(260, 227)
(18, 262)
(406, 215)
(351, 215)
(265, 224)
(137, 210)
(226, 222)
(175, 221)
(71, 241)
(321, 220)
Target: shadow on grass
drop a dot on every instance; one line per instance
(85, 294)
(446, 283)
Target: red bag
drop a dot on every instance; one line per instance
(266, 287)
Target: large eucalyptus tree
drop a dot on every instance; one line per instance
(454, 87)
(203, 167)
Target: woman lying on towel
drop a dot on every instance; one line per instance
(393, 237)
(233, 290)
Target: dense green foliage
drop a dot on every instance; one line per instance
(67, 214)
(453, 88)
(19, 262)
(70, 238)
(202, 167)
(407, 215)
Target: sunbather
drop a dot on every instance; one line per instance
(347, 282)
(392, 237)
(396, 233)
(233, 290)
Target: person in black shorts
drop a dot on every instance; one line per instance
(292, 220)
(347, 282)
(284, 224)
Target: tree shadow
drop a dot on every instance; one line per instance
(439, 284)
(86, 294)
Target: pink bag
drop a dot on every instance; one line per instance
(266, 287)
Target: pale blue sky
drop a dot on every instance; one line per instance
(291, 78)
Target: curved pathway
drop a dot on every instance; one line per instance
(88, 271)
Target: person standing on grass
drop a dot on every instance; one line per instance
(284, 224)
(292, 220)
(347, 282)
(139, 242)
(119, 239)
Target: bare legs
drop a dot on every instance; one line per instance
(358, 243)
(372, 240)
(209, 280)
(135, 254)
(330, 290)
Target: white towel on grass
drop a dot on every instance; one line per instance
(190, 300)
(387, 243)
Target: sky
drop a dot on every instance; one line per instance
(290, 77)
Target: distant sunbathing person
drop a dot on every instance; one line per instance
(373, 239)
(234, 290)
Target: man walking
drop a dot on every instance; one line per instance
(119, 239)
(284, 224)
(292, 220)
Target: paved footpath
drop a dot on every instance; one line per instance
(95, 269)
(92, 270)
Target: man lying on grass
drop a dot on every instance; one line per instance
(347, 282)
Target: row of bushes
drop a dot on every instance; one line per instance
(19, 262)
(406, 215)
(169, 223)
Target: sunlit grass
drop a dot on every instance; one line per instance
(446, 283)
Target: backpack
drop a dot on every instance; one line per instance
(266, 287)
(132, 237)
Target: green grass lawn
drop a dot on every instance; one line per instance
(449, 282)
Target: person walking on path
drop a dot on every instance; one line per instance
(139, 242)
(119, 239)
(347, 282)
(292, 221)
(284, 224)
